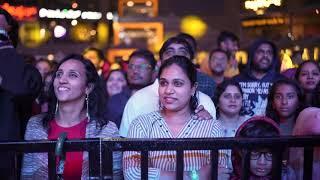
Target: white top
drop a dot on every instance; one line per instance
(153, 125)
(146, 100)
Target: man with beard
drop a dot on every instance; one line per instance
(260, 72)
(218, 60)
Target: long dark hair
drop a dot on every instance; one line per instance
(316, 97)
(96, 98)
(270, 111)
(189, 69)
(296, 76)
(253, 48)
(109, 74)
(220, 89)
(14, 30)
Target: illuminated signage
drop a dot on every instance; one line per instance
(20, 12)
(263, 22)
(69, 14)
(260, 4)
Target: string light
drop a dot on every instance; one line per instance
(74, 5)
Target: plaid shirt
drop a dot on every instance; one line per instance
(205, 84)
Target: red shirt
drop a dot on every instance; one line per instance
(73, 163)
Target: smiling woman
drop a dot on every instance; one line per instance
(76, 107)
(116, 82)
(177, 89)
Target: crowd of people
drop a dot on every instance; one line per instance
(169, 98)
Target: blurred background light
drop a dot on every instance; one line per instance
(59, 31)
(74, 5)
(109, 15)
(74, 22)
(194, 26)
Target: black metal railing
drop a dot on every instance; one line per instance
(100, 152)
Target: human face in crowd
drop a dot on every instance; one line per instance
(115, 83)
(70, 82)
(44, 68)
(94, 58)
(261, 163)
(139, 71)
(285, 101)
(309, 76)
(175, 49)
(175, 89)
(218, 62)
(263, 56)
(230, 101)
(230, 46)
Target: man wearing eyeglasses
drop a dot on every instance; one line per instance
(146, 100)
(140, 69)
(140, 74)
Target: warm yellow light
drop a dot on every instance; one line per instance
(316, 53)
(130, 3)
(148, 3)
(242, 57)
(50, 57)
(194, 26)
(125, 57)
(102, 33)
(263, 22)
(42, 33)
(286, 62)
(115, 66)
(81, 32)
(93, 32)
(260, 4)
(201, 56)
(260, 12)
(288, 52)
(305, 54)
(32, 35)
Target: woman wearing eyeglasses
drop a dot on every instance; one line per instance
(260, 165)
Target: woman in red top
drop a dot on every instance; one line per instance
(77, 108)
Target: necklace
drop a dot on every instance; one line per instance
(230, 131)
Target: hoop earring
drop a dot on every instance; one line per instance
(87, 104)
(57, 107)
